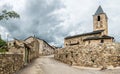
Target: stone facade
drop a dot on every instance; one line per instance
(28, 48)
(92, 42)
(31, 47)
(45, 48)
(101, 24)
(42, 46)
(97, 56)
(21, 52)
(10, 63)
(99, 34)
(16, 46)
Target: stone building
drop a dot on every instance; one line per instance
(99, 34)
(32, 48)
(16, 46)
(45, 48)
(28, 47)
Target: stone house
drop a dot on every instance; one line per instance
(28, 48)
(33, 44)
(17, 47)
(45, 48)
(31, 48)
(99, 34)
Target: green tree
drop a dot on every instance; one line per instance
(3, 46)
(8, 14)
(2, 43)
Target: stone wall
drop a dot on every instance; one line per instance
(45, 48)
(79, 39)
(98, 41)
(98, 56)
(29, 49)
(10, 63)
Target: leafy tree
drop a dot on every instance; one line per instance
(3, 46)
(8, 14)
(2, 43)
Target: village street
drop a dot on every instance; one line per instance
(47, 65)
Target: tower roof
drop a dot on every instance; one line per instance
(99, 10)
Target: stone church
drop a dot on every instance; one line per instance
(99, 34)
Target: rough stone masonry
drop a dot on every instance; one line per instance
(10, 63)
(97, 56)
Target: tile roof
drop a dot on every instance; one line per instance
(98, 38)
(99, 11)
(84, 34)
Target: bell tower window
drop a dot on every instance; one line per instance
(98, 18)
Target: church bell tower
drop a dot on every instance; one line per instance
(100, 21)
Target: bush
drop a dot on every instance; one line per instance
(2, 43)
(3, 46)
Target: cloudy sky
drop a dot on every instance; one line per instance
(52, 20)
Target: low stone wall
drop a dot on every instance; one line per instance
(10, 63)
(98, 56)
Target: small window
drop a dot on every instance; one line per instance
(89, 41)
(98, 18)
(14, 43)
(66, 55)
(102, 41)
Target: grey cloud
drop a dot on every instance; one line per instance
(6, 6)
(35, 19)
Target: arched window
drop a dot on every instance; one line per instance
(98, 18)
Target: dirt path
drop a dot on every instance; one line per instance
(47, 65)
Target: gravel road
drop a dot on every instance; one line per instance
(47, 65)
